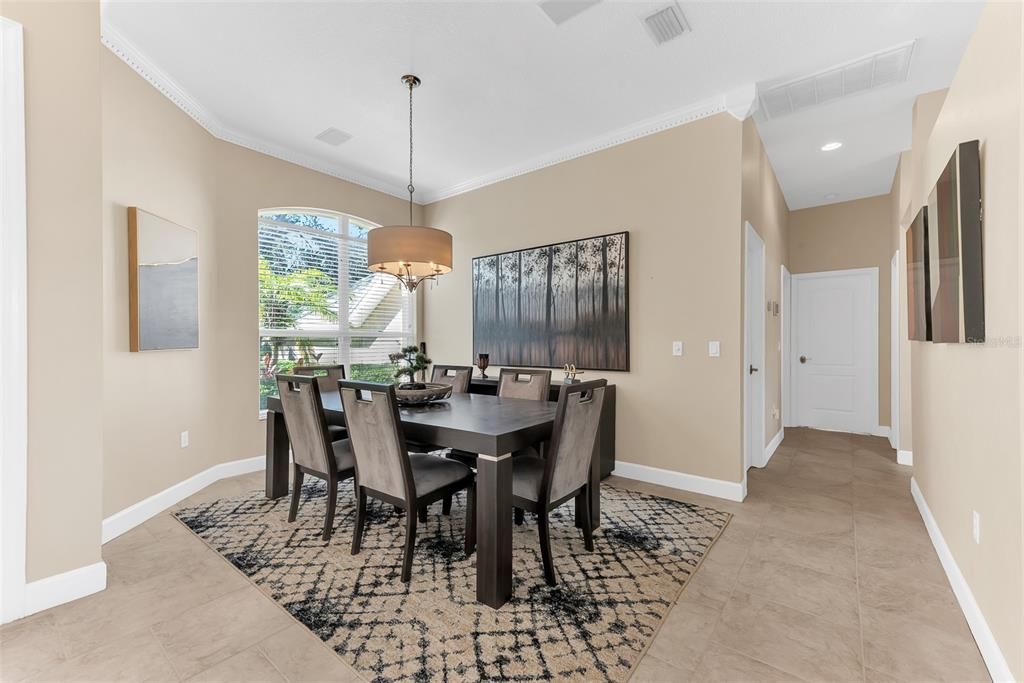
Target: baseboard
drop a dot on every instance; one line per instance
(129, 518)
(719, 488)
(998, 668)
(905, 458)
(60, 588)
(769, 450)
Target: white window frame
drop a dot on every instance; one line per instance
(344, 333)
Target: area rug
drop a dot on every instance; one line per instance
(595, 625)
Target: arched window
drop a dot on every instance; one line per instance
(319, 304)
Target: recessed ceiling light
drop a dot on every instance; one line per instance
(334, 137)
(831, 146)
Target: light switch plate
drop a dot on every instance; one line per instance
(184, 439)
(714, 349)
(976, 527)
(677, 348)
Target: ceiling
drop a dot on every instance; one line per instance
(506, 90)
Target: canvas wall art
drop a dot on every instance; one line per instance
(163, 261)
(557, 304)
(956, 274)
(919, 310)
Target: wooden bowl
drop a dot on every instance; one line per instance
(415, 397)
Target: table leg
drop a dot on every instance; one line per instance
(494, 529)
(277, 455)
(595, 493)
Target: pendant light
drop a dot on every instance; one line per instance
(412, 253)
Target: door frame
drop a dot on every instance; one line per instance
(787, 343)
(872, 273)
(753, 317)
(13, 325)
(894, 352)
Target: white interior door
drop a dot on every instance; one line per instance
(894, 352)
(753, 367)
(835, 350)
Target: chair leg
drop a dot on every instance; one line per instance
(357, 533)
(519, 516)
(410, 546)
(297, 477)
(332, 502)
(423, 514)
(470, 520)
(588, 526)
(446, 505)
(545, 546)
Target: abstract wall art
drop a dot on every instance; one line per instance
(163, 295)
(556, 304)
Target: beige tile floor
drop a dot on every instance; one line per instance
(825, 573)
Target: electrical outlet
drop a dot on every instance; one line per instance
(714, 349)
(976, 527)
(677, 348)
(775, 413)
(184, 439)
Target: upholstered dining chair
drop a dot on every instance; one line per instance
(520, 383)
(542, 484)
(387, 471)
(313, 451)
(327, 377)
(457, 376)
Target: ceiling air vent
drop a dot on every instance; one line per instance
(873, 71)
(561, 11)
(334, 137)
(666, 24)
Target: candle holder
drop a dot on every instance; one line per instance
(482, 361)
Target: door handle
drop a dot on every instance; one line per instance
(804, 359)
(752, 369)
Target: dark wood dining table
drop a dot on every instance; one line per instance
(490, 426)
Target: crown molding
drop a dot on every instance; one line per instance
(166, 85)
(169, 88)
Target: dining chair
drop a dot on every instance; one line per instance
(521, 383)
(327, 377)
(457, 376)
(542, 484)
(313, 451)
(387, 471)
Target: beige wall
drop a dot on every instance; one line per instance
(966, 397)
(764, 207)
(157, 158)
(62, 121)
(678, 194)
(855, 234)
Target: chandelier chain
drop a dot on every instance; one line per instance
(411, 187)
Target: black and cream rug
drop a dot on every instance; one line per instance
(594, 625)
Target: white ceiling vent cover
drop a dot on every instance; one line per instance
(666, 24)
(334, 137)
(561, 11)
(874, 71)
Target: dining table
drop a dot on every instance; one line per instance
(494, 428)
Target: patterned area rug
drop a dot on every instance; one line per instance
(594, 625)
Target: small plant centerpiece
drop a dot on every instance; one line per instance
(410, 362)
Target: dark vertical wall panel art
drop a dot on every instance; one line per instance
(556, 304)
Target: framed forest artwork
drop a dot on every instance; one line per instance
(163, 283)
(560, 303)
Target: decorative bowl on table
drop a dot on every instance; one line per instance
(419, 393)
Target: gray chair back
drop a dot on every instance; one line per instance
(382, 458)
(530, 384)
(573, 436)
(456, 376)
(305, 422)
(327, 376)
